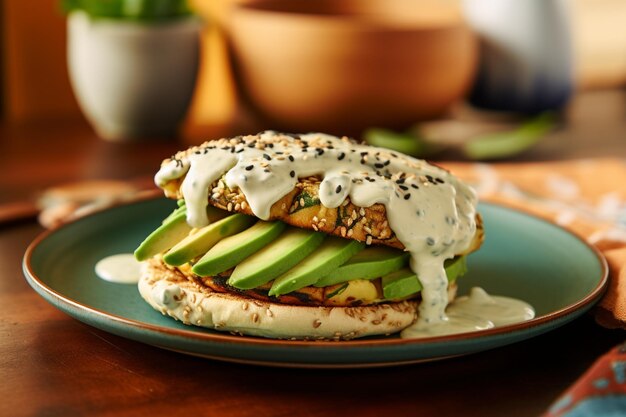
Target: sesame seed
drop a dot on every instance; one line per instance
(415, 186)
(341, 156)
(266, 156)
(249, 167)
(407, 196)
(338, 189)
(291, 158)
(404, 187)
(368, 240)
(292, 174)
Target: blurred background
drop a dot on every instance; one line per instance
(314, 66)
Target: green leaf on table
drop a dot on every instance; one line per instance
(405, 143)
(510, 143)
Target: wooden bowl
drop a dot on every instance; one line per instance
(342, 66)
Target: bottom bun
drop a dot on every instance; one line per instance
(171, 293)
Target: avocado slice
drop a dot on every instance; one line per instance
(232, 250)
(404, 283)
(164, 237)
(180, 209)
(370, 263)
(330, 255)
(172, 230)
(276, 258)
(205, 238)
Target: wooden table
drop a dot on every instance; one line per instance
(52, 365)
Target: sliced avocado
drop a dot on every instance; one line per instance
(404, 283)
(330, 255)
(232, 250)
(400, 284)
(276, 258)
(205, 238)
(172, 230)
(370, 263)
(174, 214)
(164, 237)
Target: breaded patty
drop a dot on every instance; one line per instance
(302, 208)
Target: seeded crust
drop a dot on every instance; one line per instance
(302, 208)
(171, 293)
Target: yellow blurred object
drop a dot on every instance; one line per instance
(214, 106)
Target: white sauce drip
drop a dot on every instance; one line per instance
(474, 312)
(122, 268)
(431, 212)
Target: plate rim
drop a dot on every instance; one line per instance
(251, 341)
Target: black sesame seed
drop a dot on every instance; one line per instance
(364, 153)
(341, 156)
(266, 156)
(319, 151)
(407, 196)
(430, 241)
(439, 180)
(291, 158)
(379, 165)
(249, 167)
(266, 170)
(197, 152)
(387, 162)
(338, 189)
(404, 187)
(240, 150)
(415, 186)
(400, 181)
(292, 174)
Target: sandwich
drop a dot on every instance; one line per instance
(307, 237)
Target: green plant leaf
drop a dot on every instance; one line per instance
(405, 143)
(507, 144)
(143, 10)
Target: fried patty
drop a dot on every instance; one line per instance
(302, 208)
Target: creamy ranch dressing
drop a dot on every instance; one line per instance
(431, 212)
(120, 268)
(473, 312)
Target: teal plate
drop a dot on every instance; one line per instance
(523, 257)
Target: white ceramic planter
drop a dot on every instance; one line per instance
(133, 79)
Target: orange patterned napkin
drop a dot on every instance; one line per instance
(587, 197)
